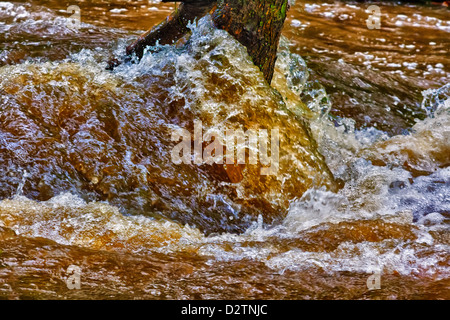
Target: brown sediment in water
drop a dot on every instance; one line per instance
(37, 268)
(107, 137)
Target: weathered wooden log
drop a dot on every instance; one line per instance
(256, 24)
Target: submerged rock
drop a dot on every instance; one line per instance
(73, 127)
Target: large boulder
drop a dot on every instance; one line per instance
(74, 127)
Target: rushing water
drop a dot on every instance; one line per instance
(87, 178)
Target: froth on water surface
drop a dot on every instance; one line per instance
(87, 177)
(74, 127)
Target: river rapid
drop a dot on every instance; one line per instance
(87, 176)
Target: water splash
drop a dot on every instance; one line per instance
(103, 121)
(19, 191)
(435, 100)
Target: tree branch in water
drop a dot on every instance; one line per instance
(256, 24)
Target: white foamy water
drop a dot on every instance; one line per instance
(391, 213)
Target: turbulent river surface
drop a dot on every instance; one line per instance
(88, 181)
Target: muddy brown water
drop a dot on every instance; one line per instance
(86, 177)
